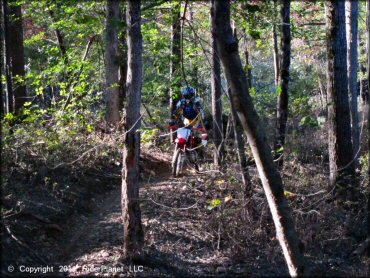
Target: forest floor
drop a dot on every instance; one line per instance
(176, 242)
(187, 232)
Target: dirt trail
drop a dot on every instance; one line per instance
(176, 243)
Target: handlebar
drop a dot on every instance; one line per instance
(193, 128)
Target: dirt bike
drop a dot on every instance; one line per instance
(186, 146)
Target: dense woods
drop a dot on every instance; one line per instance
(185, 138)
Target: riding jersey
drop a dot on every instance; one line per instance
(190, 108)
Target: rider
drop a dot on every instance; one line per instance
(192, 114)
(190, 107)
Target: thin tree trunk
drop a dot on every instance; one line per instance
(322, 92)
(133, 231)
(363, 88)
(216, 98)
(9, 83)
(368, 114)
(175, 74)
(283, 95)
(240, 143)
(194, 64)
(248, 65)
(340, 145)
(352, 66)
(17, 56)
(60, 39)
(122, 52)
(270, 177)
(368, 117)
(2, 67)
(111, 96)
(276, 48)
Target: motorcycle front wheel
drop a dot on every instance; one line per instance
(177, 162)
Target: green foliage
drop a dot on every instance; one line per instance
(214, 204)
(148, 134)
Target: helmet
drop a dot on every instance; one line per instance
(188, 92)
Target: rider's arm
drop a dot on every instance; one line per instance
(177, 111)
(198, 105)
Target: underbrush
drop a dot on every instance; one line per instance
(49, 172)
(333, 232)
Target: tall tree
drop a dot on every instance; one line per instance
(111, 96)
(8, 64)
(248, 63)
(175, 67)
(240, 144)
(216, 97)
(270, 177)
(17, 55)
(276, 48)
(283, 95)
(133, 231)
(122, 53)
(340, 145)
(352, 66)
(194, 60)
(2, 67)
(368, 117)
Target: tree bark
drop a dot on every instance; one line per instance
(270, 177)
(240, 143)
(352, 67)
(216, 97)
(283, 95)
(17, 56)
(340, 145)
(175, 67)
(2, 64)
(133, 231)
(368, 117)
(122, 52)
(111, 96)
(276, 48)
(194, 63)
(363, 88)
(9, 83)
(248, 65)
(368, 114)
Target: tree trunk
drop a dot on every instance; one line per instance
(122, 52)
(248, 65)
(368, 113)
(340, 145)
(368, 116)
(216, 98)
(2, 64)
(362, 65)
(194, 63)
(9, 83)
(270, 177)
(60, 39)
(352, 66)
(112, 94)
(175, 74)
(276, 49)
(17, 56)
(240, 143)
(133, 231)
(283, 95)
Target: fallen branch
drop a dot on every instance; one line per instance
(21, 243)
